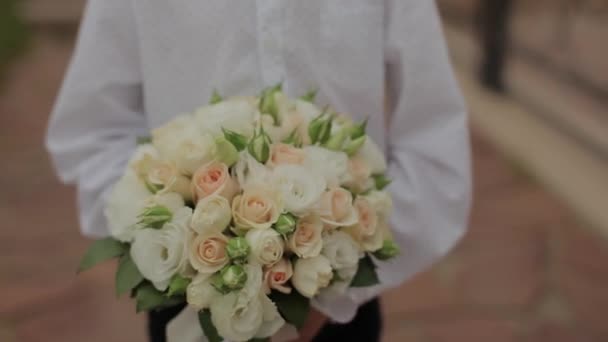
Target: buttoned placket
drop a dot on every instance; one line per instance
(271, 40)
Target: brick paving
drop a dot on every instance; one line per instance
(527, 271)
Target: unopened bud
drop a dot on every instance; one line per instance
(155, 217)
(234, 277)
(388, 251)
(286, 224)
(237, 248)
(354, 146)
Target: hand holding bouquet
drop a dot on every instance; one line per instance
(246, 209)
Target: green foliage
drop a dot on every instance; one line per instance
(204, 319)
(293, 307)
(13, 31)
(127, 275)
(366, 274)
(149, 298)
(102, 250)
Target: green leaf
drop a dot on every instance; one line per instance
(215, 97)
(127, 275)
(178, 285)
(144, 140)
(309, 96)
(366, 273)
(204, 319)
(102, 250)
(293, 307)
(381, 181)
(149, 298)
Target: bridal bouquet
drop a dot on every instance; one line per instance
(245, 210)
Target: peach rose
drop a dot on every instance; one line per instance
(359, 174)
(277, 276)
(306, 241)
(207, 252)
(336, 208)
(257, 207)
(213, 178)
(365, 232)
(281, 154)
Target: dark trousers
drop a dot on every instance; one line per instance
(366, 326)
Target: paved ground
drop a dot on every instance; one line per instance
(525, 272)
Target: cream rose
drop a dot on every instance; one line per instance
(160, 253)
(200, 293)
(374, 242)
(284, 154)
(126, 202)
(336, 208)
(306, 241)
(276, 276)
(312, 274)
(257, 207)
(299, 188)
(213, 179)
(266, 246)
(161, 176)
(181, 142)
(211, 214)
(207, 252)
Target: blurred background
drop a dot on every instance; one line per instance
(533, 267)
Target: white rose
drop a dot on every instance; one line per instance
(170, 200)
(266, 245)
(312, 274)
(160, 253)
(306, 241)
(341, 250)
(381, 202)
(248, 172)
(142, 152)
(373, 242)
(126, 202)
(212, 214)
(343, 253)
(331, 165)
(242, 321)
(234, 114)
(248, 313)
(300, 189)
(181, 142)
(207, 252)
(200, 293)
(307, 110)
(373, 155)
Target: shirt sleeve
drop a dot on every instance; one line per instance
(98, 113)
(428, 149)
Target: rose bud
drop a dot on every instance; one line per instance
(225, 151)
(259, 147)
(388, 251)
(237, 249)
(155, 217)
(234, 277)
(286, 224)
(354, 145)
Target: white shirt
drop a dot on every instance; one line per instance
(138, 63)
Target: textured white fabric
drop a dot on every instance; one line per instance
(138, 63)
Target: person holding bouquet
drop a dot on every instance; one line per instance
(138, 64)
